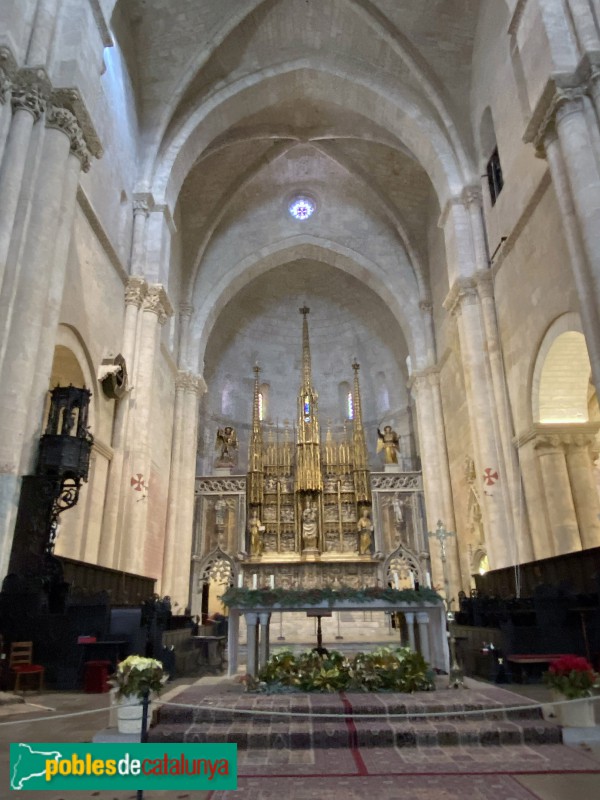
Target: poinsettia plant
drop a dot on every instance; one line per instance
(572, 676)
(137, 675)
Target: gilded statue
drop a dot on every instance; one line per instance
(256, 539)
(390, 444)
(309, 527)
(365, 532)
(226, 444)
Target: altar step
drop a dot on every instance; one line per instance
(217, 718)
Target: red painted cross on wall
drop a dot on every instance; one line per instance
(490, 476)
(137, 481)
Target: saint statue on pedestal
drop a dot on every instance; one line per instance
(256, 539)
(309, 527)
(226, 444)
(390, 444)
(365, 531)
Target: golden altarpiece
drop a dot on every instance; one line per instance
(308, 513)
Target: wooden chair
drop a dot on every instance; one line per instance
(20, 663)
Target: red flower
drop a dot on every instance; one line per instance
(568, 664)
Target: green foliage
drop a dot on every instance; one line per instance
(294, 598)
(384, 670)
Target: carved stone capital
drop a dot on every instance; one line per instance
(157, 302)
(463, 292)
(71, 100)
(64, 120)
(548, 443)
(135, 291)
(426, 306)
(186, 309)
(29, 98)
(5, 84)
(190, 382)
(143, 203)
(558, 105)
(472, 196)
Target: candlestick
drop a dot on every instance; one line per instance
(255, 580)
(240, 581)
(428, 580)
(272, 581)
(396, 582)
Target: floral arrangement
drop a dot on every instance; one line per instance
(266, 597)
(385, 669)
(137, 675)
(572, 676)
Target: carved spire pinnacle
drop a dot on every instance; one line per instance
(255, 448)
(306, 365)
(361, 456)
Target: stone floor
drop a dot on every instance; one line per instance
(504, 772)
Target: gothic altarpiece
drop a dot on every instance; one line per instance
(308, 513)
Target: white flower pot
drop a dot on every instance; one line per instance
(578, 714)
(129, 715)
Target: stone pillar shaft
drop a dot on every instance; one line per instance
(180, 512)
(42, 33)
(559, 501)
(233, 637)
(423, 623)
(588, 305)
(25, 314)
(252, 655)
(585, 494)
(430, 461)
(133, 534)
(263, 655)
(135, 291)
(11, 175)
(410, 624)
(501, 550)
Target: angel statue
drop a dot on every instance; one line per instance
(227, 444)
(390, 444)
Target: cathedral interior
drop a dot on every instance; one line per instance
(299, 294)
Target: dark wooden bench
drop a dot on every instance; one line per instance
(524, 662)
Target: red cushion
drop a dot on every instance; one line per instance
(27, 668)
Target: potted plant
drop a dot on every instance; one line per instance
(573, 678)
(135, 677)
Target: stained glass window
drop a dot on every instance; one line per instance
(350, 405)
(301, 208)
(261, 407)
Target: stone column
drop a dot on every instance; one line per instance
(410, 624)
(463, 301)
(583, 488)
(452, 557)
(156, 309)
(251, 654)
(135, 291)
(78, 159)
(25, 311)
(511, 471)
(180, 510)
(28, 103)
(557, 488)
(588, 302)
(7, 71)
(263, 655)
(42, 32)
(185, 318)
(233, 639)
(434, 463)
(423, 623)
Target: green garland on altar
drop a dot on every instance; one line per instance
(291, 598)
